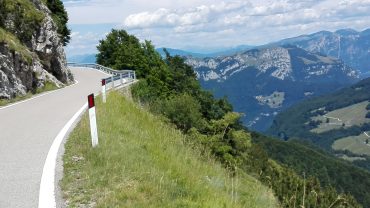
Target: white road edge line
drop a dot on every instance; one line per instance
(47, 186)
(32, 98)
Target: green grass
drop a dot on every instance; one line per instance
(355, 144)
(15, 45)
(144, 162)
(350, 116)
(47, 87)
(4, 102)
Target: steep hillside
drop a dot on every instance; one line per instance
(348, 45)
(338, 122)
(307, 160)
(143, 162)
(31, 49)
(327, 118)
(262, 82)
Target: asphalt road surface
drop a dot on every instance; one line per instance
(27, 131)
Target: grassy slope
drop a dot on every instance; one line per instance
(294, 122)
(143, 162)
(350, 115)
(355, 144)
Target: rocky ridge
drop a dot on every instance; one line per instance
(351, 46)
(263, 82)
(277, 61)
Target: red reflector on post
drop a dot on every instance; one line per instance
(91, 100)
(103, 82)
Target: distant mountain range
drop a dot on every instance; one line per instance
(91, 58)
(225, 52)
(267, 79)
(351, 46)
(262, 82)
(84, 58)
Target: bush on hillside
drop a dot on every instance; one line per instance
(182, 110)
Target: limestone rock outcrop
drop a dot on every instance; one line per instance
(29, 62)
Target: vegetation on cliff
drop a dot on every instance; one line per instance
(60, 18)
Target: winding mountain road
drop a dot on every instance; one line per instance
(27, 131)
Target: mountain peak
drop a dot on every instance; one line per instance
(348, 45)
(347, 31)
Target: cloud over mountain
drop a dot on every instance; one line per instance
(219, 23)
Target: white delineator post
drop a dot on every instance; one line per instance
(103, 90)
(112, 79)
(92, 116)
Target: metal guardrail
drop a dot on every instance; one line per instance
(128, 75)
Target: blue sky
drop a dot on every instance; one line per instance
(209, 25)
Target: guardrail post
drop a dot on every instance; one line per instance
(120, 77)
(103, 90)
(92, 117)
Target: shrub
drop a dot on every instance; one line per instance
(182, 110)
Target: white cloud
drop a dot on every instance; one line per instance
(221, 23)
(184, 17)
(260, 21)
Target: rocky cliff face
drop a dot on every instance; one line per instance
(263, 82)
(283, 63)
(351, 46)
(31, 51)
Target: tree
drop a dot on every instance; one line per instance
(120, 51)
(60, 18)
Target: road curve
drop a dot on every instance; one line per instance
(27, 131)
